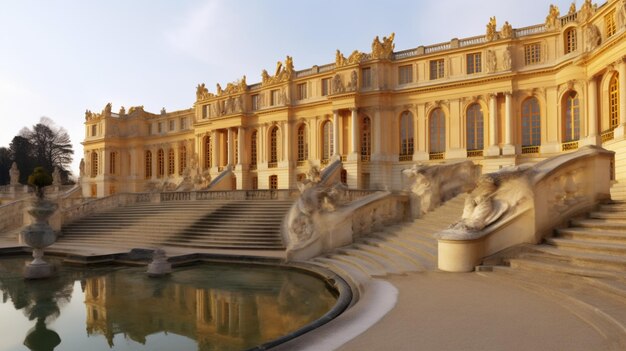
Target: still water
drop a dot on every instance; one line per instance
(203, 307)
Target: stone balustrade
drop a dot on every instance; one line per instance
(524, 205)
(311, 234)
(12, 215)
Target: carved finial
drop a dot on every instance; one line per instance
(507, 31)
(552, 21)
(491, 29)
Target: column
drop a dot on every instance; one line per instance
(421, 135)
(493, 149)
(376, 136)
(508, 148)
(592, 115)
(620, 131)
(155, 161)
(354, 135)
(231, 147)
(335, 132)
(215, 152)
(241, 144)
(286, 143)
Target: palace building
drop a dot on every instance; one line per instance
(505, 97)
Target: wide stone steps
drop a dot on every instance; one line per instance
(591, 247)
(249, 225)
(397, 249)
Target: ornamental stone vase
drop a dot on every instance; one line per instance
(38, 236)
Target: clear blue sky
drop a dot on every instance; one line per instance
(59, 58)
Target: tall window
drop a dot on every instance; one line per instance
(609, 24)
(436, 69)
(571, 118)
(170, 162)
(327, 140)
(160, 163)
(405, 74)
(406, 134)
(148, 170)
(253, 149)
(301, 89)
(437, 131)
(366, 139)
(172, 125)
(532, 53)
(182, 159)
(475, 135)
(570, 40)
(273, 146)
(303, 152)
(94, 164)
(531, 123)
(366, 77)
(112, 162)
(183, 123)
(94, 129)
(205, 111)
(256, 99)
(614, 102)
(273, 182)
(474, 63)
(325, 86)
(274, 95)
(207, 152)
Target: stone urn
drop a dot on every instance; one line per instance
(38, 236)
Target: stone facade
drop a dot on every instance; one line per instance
(507, 97)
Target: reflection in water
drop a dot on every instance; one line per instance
(220, 307)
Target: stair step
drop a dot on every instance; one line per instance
(615, 249)
(584, 259)
(592, 234)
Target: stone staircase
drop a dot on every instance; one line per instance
(211, 224)
(592, 246)
(401, 248)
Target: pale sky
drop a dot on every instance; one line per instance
(59, 58)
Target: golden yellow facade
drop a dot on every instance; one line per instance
(505, 97)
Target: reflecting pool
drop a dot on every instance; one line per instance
(201, 307)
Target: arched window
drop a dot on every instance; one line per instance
(303, 147)
(406, 136)
(531, 122)
(160, 163)
(474, 124)
(327, 140)
(273, 147)
(366, 139)
(570, 40)
(112, 162)
(170, 162)
(571, 117)
(148, 170)
(208, 150)
(182, 159)
(437, 132)
(94, 164)
(273, 182)
(253, 150)
(614, 102)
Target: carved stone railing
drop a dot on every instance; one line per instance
(327, 230)
(326, 68)
(12, 215)
(607, 135)
(530, 149)
(223, 181)
(474, 153)
(568, 18)
(437, 47)
(570, 145)
(530, 30)
(526, 206)
(332, 172)
(472, 41)
(103, 204)
(399, 55)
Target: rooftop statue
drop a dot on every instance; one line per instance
(507, 31)
(107, 110)
(586, 11)
(572, 9)
(283, 72)
(383, 49)
(552, 20)
(491, 29)
(621, 14)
